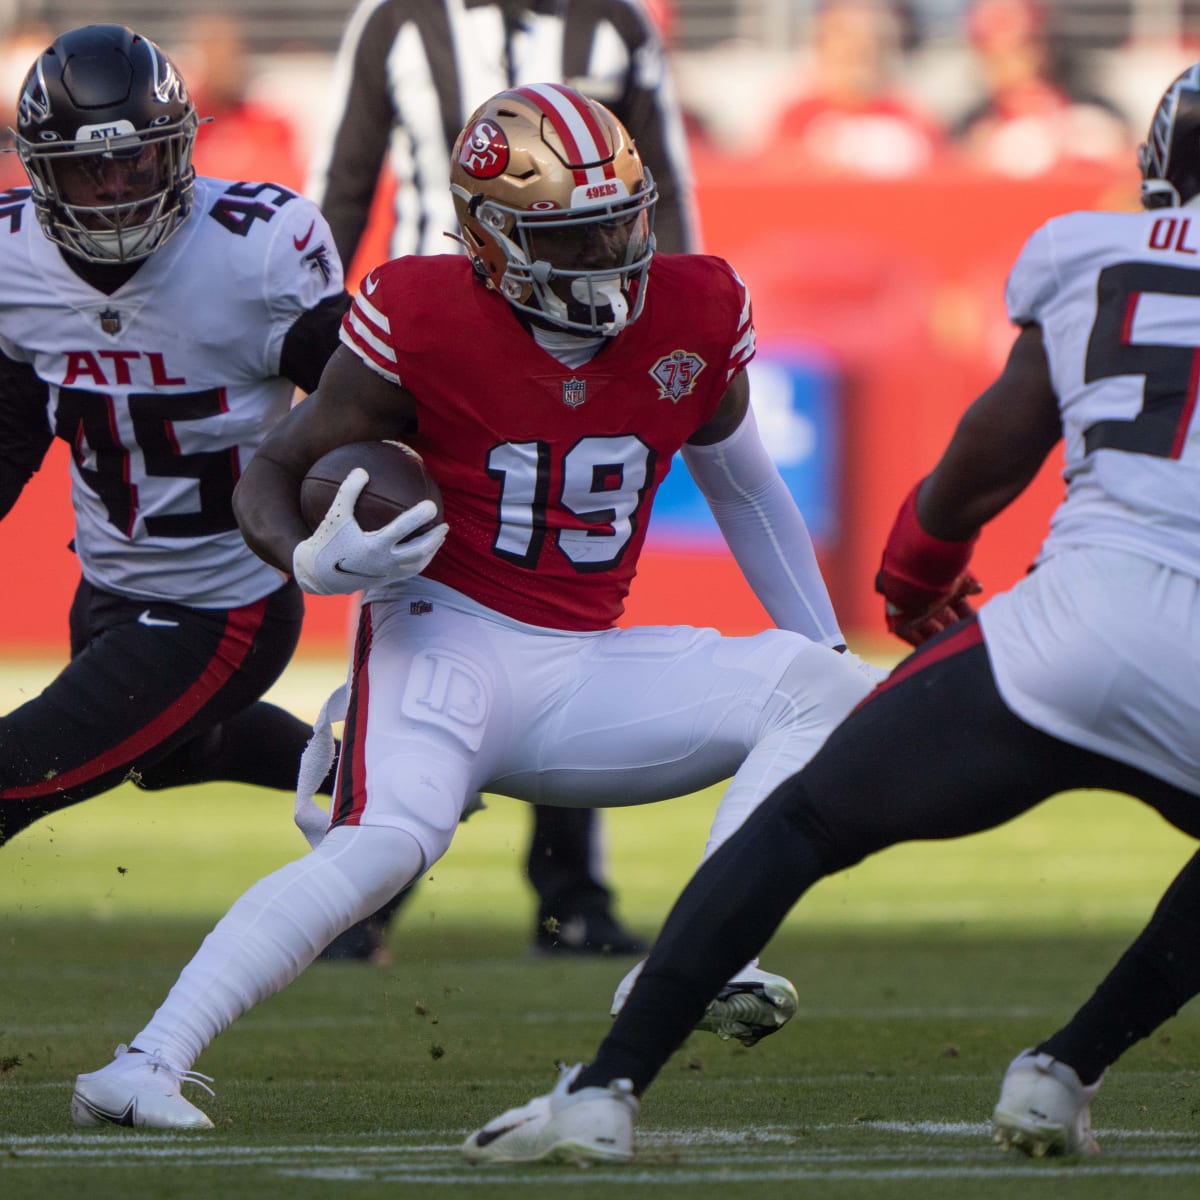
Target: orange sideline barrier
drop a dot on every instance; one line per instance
(903, 281)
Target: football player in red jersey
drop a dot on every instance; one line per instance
(1082, 675)
(177, 629)
(548, 378)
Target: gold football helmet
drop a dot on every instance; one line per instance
(555, 207)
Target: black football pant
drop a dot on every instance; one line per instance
(159, 694)
(932, 753)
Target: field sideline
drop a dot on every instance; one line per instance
(920, 973)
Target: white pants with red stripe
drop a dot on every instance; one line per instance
(450, 699)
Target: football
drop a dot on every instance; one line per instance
(398, 481)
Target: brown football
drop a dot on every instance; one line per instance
(398, 480)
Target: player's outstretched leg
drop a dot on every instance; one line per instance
(138, 1090)
(592, 1125)
(1043, 1108)
(752, 1005)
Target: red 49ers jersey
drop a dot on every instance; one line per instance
(548, 472)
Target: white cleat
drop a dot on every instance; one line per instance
(138, 1090)
(753, 1004)
(1043, 1108)
(592, 1125)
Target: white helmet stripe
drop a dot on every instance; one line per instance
(581, 134)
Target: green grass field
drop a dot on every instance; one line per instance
(921, 973)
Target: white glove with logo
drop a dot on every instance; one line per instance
(342, 557)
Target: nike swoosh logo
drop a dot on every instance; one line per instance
(485, 1137)
(144, 618)
(300, 243)
(370, 284)
(337, 566)
(127, 1116)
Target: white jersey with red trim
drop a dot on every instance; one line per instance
(164, 388)
(1118, 298)
(548, 472)
(1100, 645)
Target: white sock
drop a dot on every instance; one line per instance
(275, 930)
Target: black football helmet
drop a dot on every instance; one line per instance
(1169, 158)
(105, 129)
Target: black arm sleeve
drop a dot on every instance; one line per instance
(311, 340)
(25, 434)
(361, 130)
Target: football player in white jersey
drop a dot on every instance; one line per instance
(158, 323)
(1081, 675)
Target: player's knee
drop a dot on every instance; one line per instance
(181, 766)
(835, 846)
(374, 861)
(816, 691)
(424, 806)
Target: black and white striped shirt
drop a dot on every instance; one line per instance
(410, 72)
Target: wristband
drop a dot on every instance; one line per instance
(917, 557)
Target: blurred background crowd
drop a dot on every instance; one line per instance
(882, 88)
(871, 167)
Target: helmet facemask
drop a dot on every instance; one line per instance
(580, 269)
(556, 208)
(116, 198)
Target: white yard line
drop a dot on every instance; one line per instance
(770, 1154)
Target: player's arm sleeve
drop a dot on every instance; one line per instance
(765, 531)
(25, 434)
(346, 163)
(313, 337)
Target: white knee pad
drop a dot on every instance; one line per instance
(421, 795)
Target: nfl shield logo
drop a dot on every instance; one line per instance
(110, 321)
(574, 392)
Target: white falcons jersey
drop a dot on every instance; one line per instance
(1118, 298)
(1100, 645)
(165, 388)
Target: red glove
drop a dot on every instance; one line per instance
(924, 580)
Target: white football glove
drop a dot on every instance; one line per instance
(342, 557)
